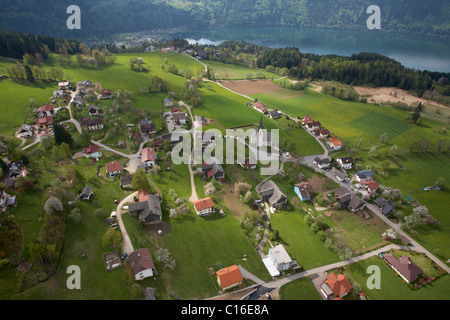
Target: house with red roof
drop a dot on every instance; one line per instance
(229, 277)
(92, 152)
(334, 144)
(142, 265)
(335, 287)
(307, 120)
(204, 207)
(44, 122)
(106, 93)
(46, 111)
(148, 157)
(114, 168)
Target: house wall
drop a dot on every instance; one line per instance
(144, 274)
(205, 212)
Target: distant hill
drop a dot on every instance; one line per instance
(105, 17)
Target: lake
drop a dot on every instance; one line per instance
(413, 51)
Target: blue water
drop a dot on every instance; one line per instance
(413, 51)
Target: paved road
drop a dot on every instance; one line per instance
(127, 246)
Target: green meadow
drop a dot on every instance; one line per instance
(235, 72)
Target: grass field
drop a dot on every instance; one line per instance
(224, 71)
(301, 289)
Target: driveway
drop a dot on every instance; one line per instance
(127, 246)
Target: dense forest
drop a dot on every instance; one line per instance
(16, 45)
(105, 17)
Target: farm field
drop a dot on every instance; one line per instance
(223, 71)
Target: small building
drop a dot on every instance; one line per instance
(64, 85)
(86, 193)
(348, 199)
(114, 168)
(147, 127)
(93, 152)
(213, 170)
(85, 84)
(304, 191)
(324, 133)
(259, 107)
(229, 277)
(6, 200)
(142, 265)
(180, 118)
(204, 207)
(340, 175)
(314, 125)
(125, 181)
(371, 185)
(335, 287)
(93, 110)
(307, 119)
(16, 169)
(345, 162)
(25, 131)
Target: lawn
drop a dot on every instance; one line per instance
(235, 72)
(393, 287)
(301, 289)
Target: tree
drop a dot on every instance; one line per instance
(384, 137)
(241, 188)
(53, 205)
(163, 255)
(394, 149)
(65, 150)
(61, 135)
(75, 215)
(140, 180)
(111, 238)
(210, 189)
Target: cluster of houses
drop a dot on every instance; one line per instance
(260, 107)
(316, 128)
(14, 170)
(175, 118)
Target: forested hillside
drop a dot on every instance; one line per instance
(104, 17)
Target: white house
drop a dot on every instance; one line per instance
(25, 131)
(148, 157)
(142, 265)
(278, 260)
(345, 162)
(321, 163)
(204, 207)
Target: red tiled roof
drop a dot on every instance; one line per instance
(148, 154)
(113, 166)
(143, 195)
(203, 204)
(339, 284)
(335, 142)
(229, 276)
(92, 149)
(44, 120)
(46, 108)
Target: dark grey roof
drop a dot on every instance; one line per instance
(269, 191)
(148, 211)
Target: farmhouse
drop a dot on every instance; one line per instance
(106, 94)
(204, 207)
(114, 168)
(46, 111)
(278, 260)
(386, 206)
(147, 127)
(340, 175)
(314, 125)
(64, 85)
(321, 163)
(407, 269)
(148, 210)
(229, 277)
(335, 287)
(370, 185)
(304, 191)
(92, 152)
(307, 119)
(148, 157)
(25, 131)
(270, 192)
(259, 107)
(349, 200)
(363, 175)
(92, 124)
(168, 102)
(345, 162)
(334, 144)
(142, 265)
(44, 122)
(213, 170)
(274, 115)
(180, 118)
(324, 133)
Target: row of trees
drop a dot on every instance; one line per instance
(33, 73)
